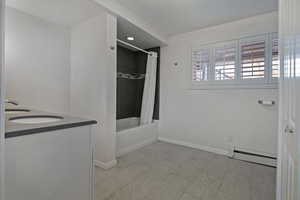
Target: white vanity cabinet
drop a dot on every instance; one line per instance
(55, 165)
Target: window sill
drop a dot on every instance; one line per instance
(218, 86)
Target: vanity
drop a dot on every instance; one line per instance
(48, 156)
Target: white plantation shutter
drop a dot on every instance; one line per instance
(253, 59)
(225, 61)
(275, 57)
(200, 64)
(251, 62)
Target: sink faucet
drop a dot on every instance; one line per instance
(11, 102)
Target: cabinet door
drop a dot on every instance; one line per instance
(49, 166)
(2, 99)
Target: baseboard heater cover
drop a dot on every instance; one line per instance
(255, 158)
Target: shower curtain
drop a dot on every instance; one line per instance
(149, 90)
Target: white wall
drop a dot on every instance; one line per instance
(211, 118)
(37, 62)
(93, 81)
(63, 70)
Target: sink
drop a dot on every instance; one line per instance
(35, 119)
(16, 111)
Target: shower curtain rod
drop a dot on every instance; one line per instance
(130, 45)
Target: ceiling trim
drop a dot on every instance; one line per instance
(121, 11)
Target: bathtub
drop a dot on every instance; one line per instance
(131, 136)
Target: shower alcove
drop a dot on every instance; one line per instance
(137, 95)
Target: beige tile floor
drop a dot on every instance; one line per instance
(163, 171)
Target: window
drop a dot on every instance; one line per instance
(253, 59)
(247, 62)
(224, 63)
(201, 62)
(275, 57)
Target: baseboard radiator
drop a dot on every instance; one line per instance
(255, 158)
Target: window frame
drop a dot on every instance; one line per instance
(203, 48)
(254, 80)
(237, 83)
(200, 84)
(271, 37)
(220, 45)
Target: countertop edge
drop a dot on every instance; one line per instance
(48, 128)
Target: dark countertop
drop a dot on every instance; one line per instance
(13, 129)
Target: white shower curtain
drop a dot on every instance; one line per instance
(149, 90)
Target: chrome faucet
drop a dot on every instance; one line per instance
(13, 102)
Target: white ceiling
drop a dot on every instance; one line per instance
(169, 17)
(177, 16)
(63, 12)
(142, 39)
(71, 12)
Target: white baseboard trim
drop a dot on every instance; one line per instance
(196, 146)
(129, 149)
(105, 165)
(256, 159)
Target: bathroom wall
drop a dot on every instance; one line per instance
(57, 69)
(130, 92)
(93, 81)
(212, 119)
(37, 62)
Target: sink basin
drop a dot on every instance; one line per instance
(35, 119)
(16, 111)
